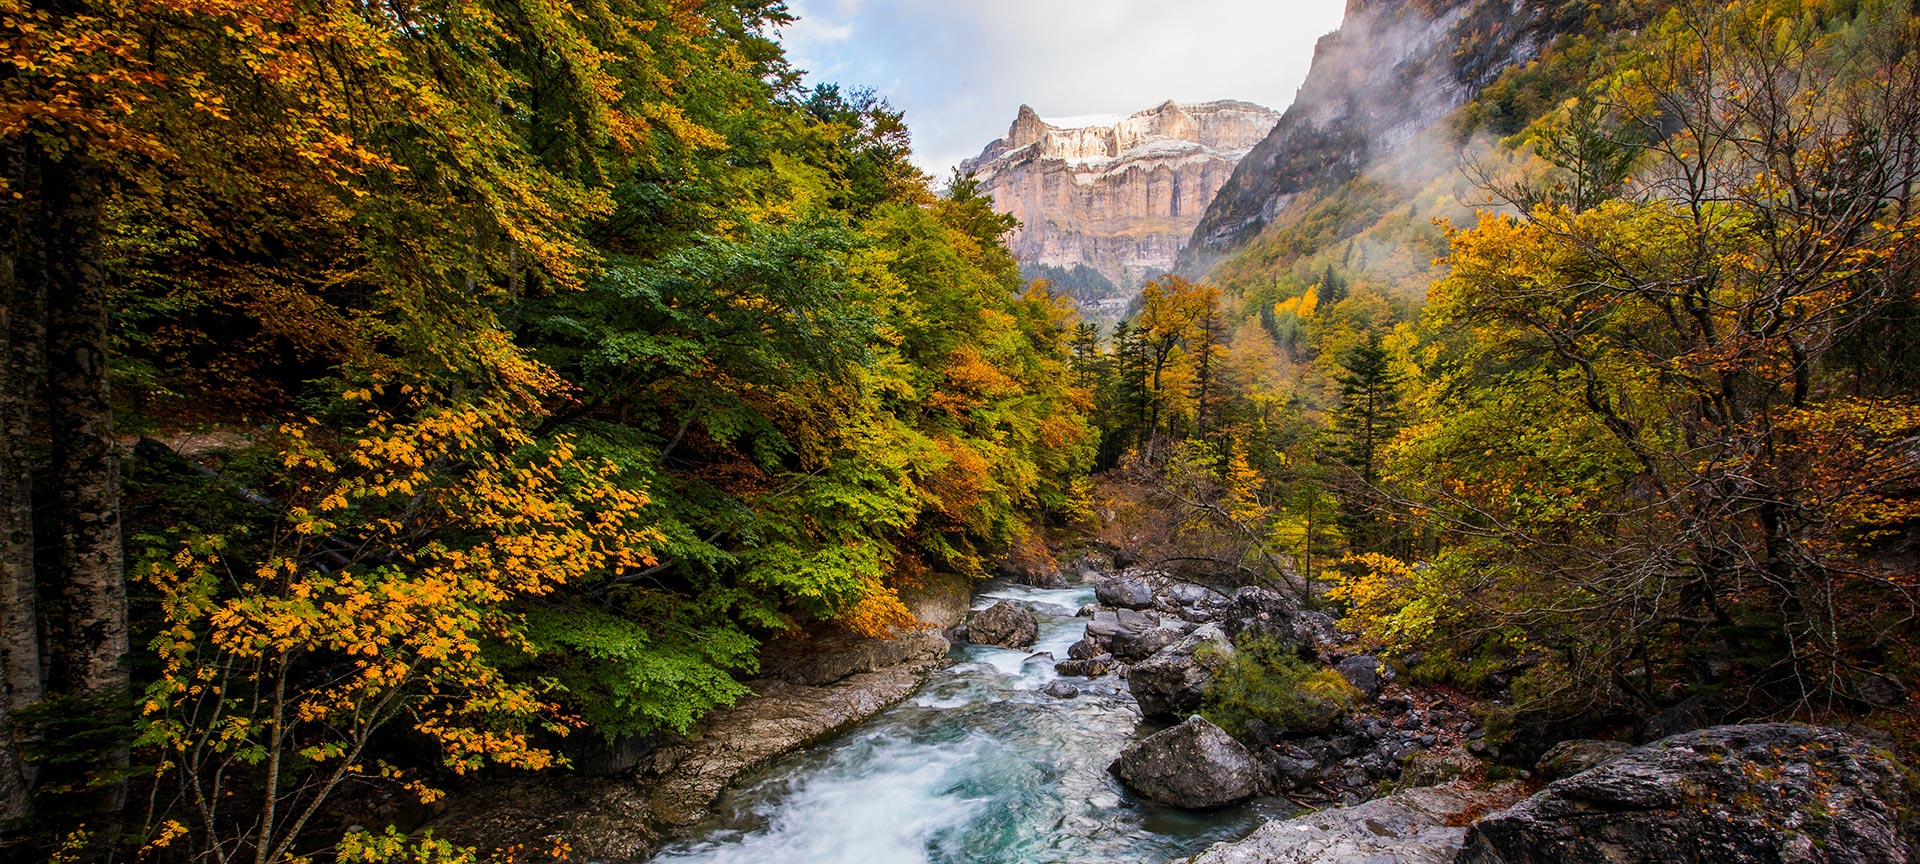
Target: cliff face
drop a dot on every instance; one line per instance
(1118, 194)
(1393, 71)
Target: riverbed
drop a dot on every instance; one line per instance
(979, 767)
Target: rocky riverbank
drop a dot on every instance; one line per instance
(815, 687)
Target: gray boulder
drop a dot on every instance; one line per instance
(1775, 793)
(1194, 765)
(1257, 612)
(1089, 667)
(1045, 577)
(1128, 635)
(1171, 682)
(1062, 690)
(1408, 827)
(1005, 623)
(1130, 590)
(1568, 758)
(1363, 672)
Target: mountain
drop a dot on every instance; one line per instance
(1374, 102)
(1119, 194)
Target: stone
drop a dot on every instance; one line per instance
(831, 655)
(1083, 650)
(1062, 690)
(1363, 672)
(1091, 667)
(1257, 612)
(1437, 768)
(1568, 758)
(1128, 635)
(1171, 682)
(1129, 590)
(1046, 577)
(1195, 765)
(1006, 624)
(1409, 827)
(1771, 793)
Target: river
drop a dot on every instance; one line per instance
(979, 767)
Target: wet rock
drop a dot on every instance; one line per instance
(1128, 635)
(1062, 690)
(1261, 613)
(1195, 765)
(1410, 827)
(1091, 667)
(1171, 682)
(1568, 758)
(1044, 578)
(1363, 672)
(1083, 650)
(1130, 590)
(1044, 658)
(1005, 623)
(1446, 766)
(1775, 793)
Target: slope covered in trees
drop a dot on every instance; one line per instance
(1608, 417)
(391, 389)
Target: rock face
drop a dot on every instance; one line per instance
(1778, 793)
(1408, 827)
(1005, 623)
(1171, 682)
(1118, 194)
(1194, 765)
(1391, 73)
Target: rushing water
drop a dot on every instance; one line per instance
(980, 767)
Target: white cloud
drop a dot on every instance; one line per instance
(961, 69)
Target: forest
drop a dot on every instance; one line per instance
(392, 391)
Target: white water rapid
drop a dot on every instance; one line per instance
(979, 767)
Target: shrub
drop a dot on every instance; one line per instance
(1266, 681)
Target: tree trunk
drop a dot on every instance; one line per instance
(91, 645)
(22, 348)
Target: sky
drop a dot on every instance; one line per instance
(960, 69)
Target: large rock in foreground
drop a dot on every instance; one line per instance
(1005, 623)
(1409, 827)
(1194, 765)
(1776, 793)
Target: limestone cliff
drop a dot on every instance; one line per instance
(1118, 194)
(1378, 87)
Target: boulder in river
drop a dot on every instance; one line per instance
(1129, 635)
(1088, 667)
(1005, 623)
(1062, 690)
(1171, 682)
(1046, 577)
(1410, 827)
(1132, 589)
(1195, 765)
(1773, 793)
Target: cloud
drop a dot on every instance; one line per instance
(960, 68)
